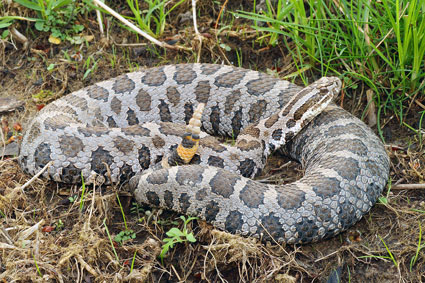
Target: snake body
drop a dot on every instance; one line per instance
(121, 127)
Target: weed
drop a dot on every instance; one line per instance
(58, 17)
(381, 43)
(36, 266)
(418, 249)
(177, 236)
(127, 234)
(43, 95)
(110, 240)
(89, 66)
(83, 184)
(59, 225)
(153, 19)
(390, 254)
(124, 236)
(72, 198)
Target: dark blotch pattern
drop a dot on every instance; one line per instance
(144, 157)
(124, 145)
(231, 99)
(188, 112)
(216, 161)
(271, 224)
(215, 119)
(100, 158)
(42, 155)
(291, 123)
(93, 131)
(58, 122)
(70, 145)
(271, 120)
(97, 92)
(184, 74)
(247, 168)
(136, 130)
(76, 101)
(202, 91)
(132, 118)
(257, 110)
(154, 77)
(209, 69)
(237, 122)
(173, 95)
(111, 122)
(185, 175)
(158, 142)
(123, 84)
(223, 183)
(116, 105)
(71, 174)
(164, 111)
(143, 100)
(261, 85)
(252, 194)
(211, 211)
(184, 201)
(158, 177)
(230, 79)
(152, 198)
(291, 197)
(168, 198)
(234, 222)
(277, 134)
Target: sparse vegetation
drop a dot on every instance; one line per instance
(374, 46)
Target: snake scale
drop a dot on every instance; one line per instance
(121, 128)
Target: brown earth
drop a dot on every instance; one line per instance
(67, 244)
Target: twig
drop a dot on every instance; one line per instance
(195, 27)
(139, 31)
(219, 14)
(99, 21)
(3, 141)
(408, 187)
(37, 175)
(19, 37)
(371, 109)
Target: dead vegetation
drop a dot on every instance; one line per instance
(45, 235)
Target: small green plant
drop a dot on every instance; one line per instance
(89, 66)
(43, 95)
(124, 236)
(127, 234)
(83, 184)
(59, 225)
(36, 266)
(72, 198)
(59, 17)
(418, 249)
(177, 236)
(152, 19)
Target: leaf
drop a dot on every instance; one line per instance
(174, 232)
(39, 25)
(29, 4)
(191, 238)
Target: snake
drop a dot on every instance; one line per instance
(122, 128)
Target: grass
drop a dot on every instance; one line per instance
(212, 256)
(381, 44)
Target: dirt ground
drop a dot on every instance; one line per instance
(45, 237)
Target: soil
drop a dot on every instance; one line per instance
(47, 237)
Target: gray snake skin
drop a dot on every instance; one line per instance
(121, 127)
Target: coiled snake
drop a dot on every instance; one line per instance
(120, 127)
